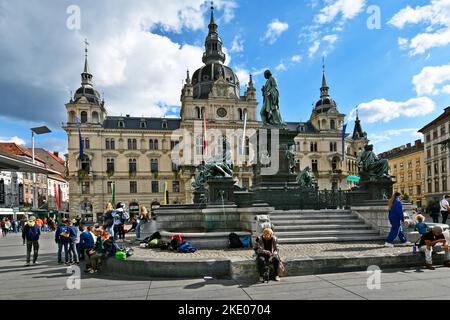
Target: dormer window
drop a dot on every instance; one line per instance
(121, 124)
(143, 125)
(164, 124)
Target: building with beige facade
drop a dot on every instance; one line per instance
(437, 156)
(407, 164)
(141, 155)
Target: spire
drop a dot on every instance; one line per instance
(324, 90)
(213, 43)
(86, 76)
(358, 132)
(188, 77)
(250, 83)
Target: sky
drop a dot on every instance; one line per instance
(389, 58)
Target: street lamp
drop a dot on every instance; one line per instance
(38, 130)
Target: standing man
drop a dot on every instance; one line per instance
(445, 208)
(270, 112)
(30, 236)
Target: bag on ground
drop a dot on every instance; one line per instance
(234, 241)
(186, 247)
(175, 242)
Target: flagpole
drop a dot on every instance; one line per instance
(244, 134)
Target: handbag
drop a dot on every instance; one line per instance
(281, 269)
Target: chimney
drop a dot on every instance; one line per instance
(408, 145)
(56, 154)
(419, 143)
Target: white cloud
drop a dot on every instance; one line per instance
(137, 68)
(387, 135)
(429, 79)
(435, 16)
(228, 7)
(348, 9)
(446, 89)
(384, 110)
(332, 38)
(243, 75)
(237, 45)
(314, 48)
(281, 67)
(296, 59)
(274, 30)
(14, 139)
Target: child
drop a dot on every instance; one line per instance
(420, 225)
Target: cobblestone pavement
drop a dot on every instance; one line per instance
(286, 251)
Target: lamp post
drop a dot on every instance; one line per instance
(38, 130)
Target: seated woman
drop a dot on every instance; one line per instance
(103, 250)
(267, 254)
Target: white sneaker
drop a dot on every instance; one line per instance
(407, 243)
(389, 245)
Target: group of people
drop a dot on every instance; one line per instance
(432, 240)
(15, 226)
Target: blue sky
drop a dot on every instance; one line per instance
(399, 73)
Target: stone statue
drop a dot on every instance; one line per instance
(371, 166)
(290, 157)
(270, 113)
(305, 179)
(216, 166)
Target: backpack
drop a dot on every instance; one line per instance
(156, 235)
(155, 243)
(120, 255)
(175, 242)
(235, 241)
(186, 247)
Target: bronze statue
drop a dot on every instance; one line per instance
(216, 166)
(371, 166)
(290, 157)
(305, 179)
(270, 113)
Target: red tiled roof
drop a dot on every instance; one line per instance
(15, 149)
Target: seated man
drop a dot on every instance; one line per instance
(434, 241)
(267, 253)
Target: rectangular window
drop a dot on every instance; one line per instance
(417, 162)
(430, 189)
(402, 178)
(113, 144)
(428, 138)
(133, 187)
(443, 131)
(436, 186)
(419, 190)
(410, 176)
(174, 167)
(132, 167)
(444, 167)
(444, 185)
(176, 187)
(109, 187)
(107, 144)
(418, 175)
(154, 165)
(435, 151)
(436, 168)
(411, 191)
(173, 144)
(435, 135)
(429, 170)
(410, 165)
(315, 166)
(85, 188)
(110, 165)
(428, 153)
(155, 187)
(401, 166)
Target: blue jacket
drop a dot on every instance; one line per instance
(62, 228)
(86, 240)
(73, 232)
(396, 212)
(31, 233)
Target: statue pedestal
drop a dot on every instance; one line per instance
(220, 190)
(372, 192)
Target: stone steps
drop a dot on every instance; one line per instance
(359, 238)
(311, 227)
(323, 233)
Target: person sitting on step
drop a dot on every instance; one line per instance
(267, 254)
(434, 241)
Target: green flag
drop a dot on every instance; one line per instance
(113, 186)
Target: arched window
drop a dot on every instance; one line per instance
(121, 124)
(241, 115)
(156, 145)
(197, 113)
(143, 124)
(95, 118)
(246, 148)
(334, 163)
(132, 165)
(132, 144)
(86, 143)
(151, 146)
(84, 117)
(332, 125)
(110, 165)
(154, 165)
(113, 144)
(164, 124)
(85, 164)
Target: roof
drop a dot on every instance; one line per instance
(135, 123)
(294, 126)
(9, 162)
(12, 148)
(443, 116)
(401, 151)
(52, 161)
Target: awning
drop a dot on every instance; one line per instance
(11, 163)
(353, 178)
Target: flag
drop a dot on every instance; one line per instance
(244, 135)
(205, 138)
(81, 140)
(58, 204)
(59, 197)
(166, 193)
(113, 190)
(344, 129)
